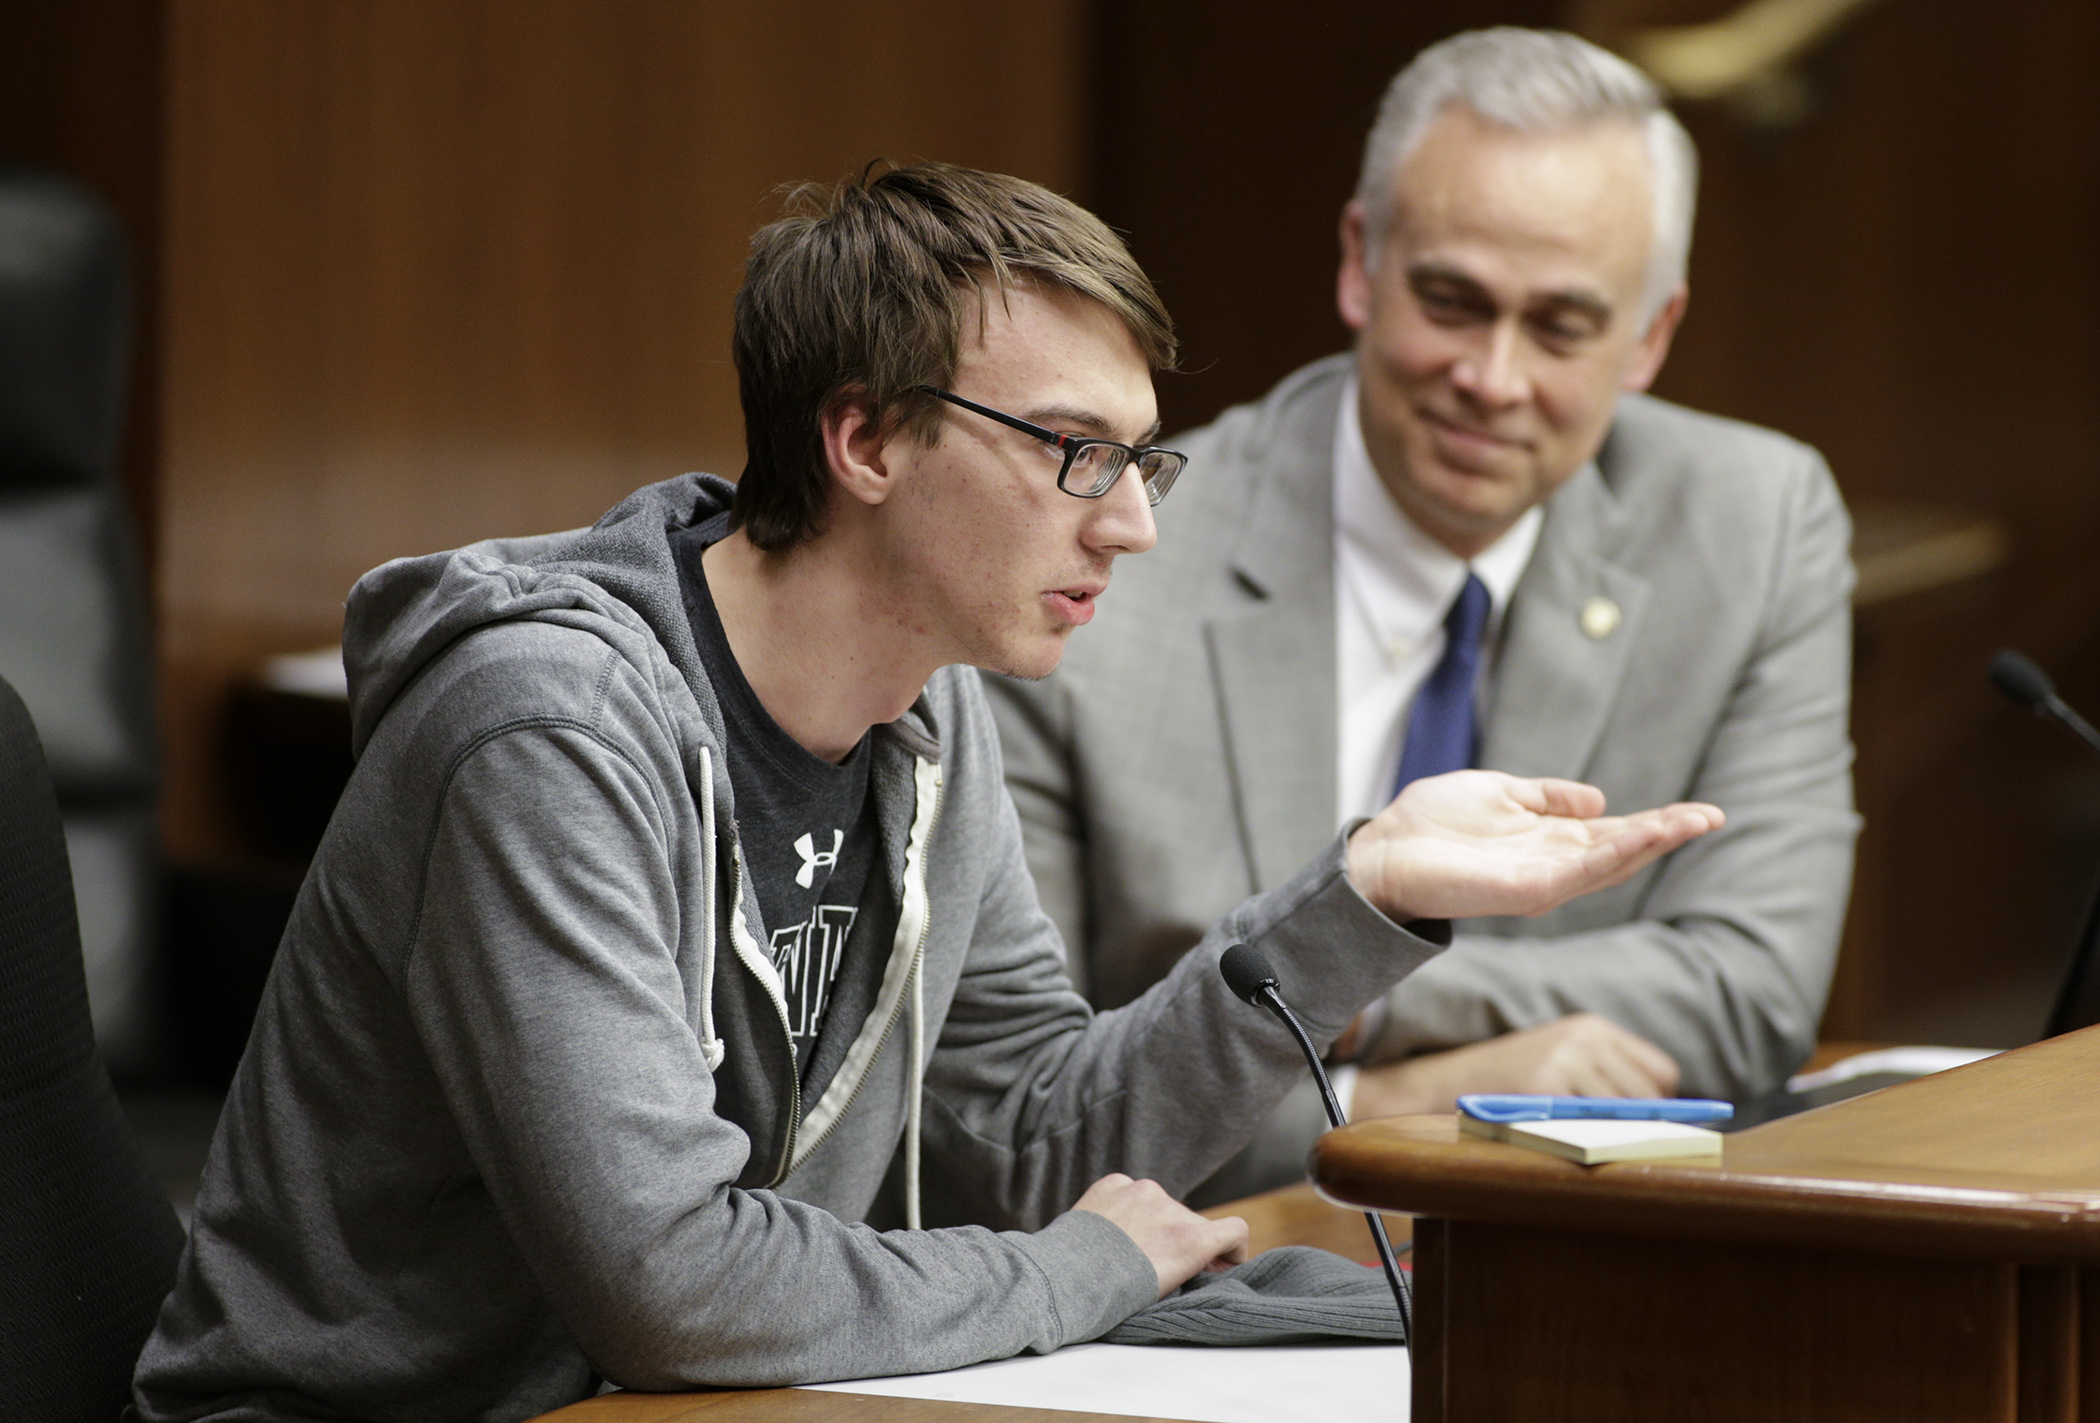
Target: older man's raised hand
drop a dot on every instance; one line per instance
(1481, 842)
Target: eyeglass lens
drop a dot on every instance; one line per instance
(1094, 469)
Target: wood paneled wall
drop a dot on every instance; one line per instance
(437, 272)
(424, 271)
(1231, 186)
(1910, 281)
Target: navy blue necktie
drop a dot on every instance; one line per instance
(1440, 730)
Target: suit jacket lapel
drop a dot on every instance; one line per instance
(1274, 661)
(1555, 681)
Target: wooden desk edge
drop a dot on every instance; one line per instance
(1421, 1166)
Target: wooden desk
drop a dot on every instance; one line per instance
(1291, 1216)
(1931, 1251)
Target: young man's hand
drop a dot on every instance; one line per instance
(1581, 1055)
(1174, 1238)
(1481, 842)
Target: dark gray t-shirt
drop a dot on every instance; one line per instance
(807, 827)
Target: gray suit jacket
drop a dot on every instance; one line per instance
(1184, 754)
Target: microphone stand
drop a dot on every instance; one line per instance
(1251, 978)
(2027, 685)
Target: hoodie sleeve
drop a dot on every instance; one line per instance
(1031, 1097)
(543, 984)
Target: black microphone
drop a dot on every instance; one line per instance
(2078, 999)
(2029, 686)
(1249, 976)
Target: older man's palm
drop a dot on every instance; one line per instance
(1481, 842)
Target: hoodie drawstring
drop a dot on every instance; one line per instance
(929, 785)
(712, 1049)
(918, 1090)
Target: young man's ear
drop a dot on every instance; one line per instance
(856, 449)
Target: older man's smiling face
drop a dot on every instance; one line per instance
(1501, 316)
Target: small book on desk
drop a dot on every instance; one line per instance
(1593, 1142)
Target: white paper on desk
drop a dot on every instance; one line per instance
(1319, 1383)
(1911, 1061)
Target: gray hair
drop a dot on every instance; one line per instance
(1536, 81)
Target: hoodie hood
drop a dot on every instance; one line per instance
(617, 578)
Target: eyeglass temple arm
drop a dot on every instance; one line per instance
(1048, 436)
(1013, 422)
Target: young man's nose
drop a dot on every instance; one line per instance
(1122, 521)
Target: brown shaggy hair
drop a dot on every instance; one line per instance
(861, 292)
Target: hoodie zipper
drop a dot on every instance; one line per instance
(787, 1035)
(918, 962)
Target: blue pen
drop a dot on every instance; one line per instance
(1512, 1107)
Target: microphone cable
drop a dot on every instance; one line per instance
(1249, 976)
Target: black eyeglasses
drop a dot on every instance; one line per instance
(1092, 466)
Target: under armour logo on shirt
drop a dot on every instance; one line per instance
(806, 847)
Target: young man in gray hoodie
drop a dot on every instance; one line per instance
(675, 920)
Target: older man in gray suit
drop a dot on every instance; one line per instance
(1474, 541)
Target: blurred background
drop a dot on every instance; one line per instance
(409, 273)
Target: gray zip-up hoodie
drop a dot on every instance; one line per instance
(519, 1114)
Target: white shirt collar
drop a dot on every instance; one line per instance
(1402, 580)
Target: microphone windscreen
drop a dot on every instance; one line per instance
(1246, 972)
(2021, 680)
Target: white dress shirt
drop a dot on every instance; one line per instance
(1393, 586)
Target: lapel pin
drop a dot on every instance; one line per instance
(1600, 618)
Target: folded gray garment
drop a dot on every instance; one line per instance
(1291, 1295)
